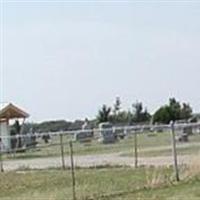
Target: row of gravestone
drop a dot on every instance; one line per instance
(106, 133)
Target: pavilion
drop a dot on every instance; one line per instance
(9, 112)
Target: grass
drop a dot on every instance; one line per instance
(166, 151)
(124, 147)
(182, 191)
(105, 183)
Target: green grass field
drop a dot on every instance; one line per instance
(125, 147)
(105, 183)
(166, 151)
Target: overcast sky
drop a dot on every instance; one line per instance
(64, 60)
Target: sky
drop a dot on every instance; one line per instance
(64, 59)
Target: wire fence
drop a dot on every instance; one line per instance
(133, 146)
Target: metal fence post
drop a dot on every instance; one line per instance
(174, 151)
(135, 150)
(62, 151)
(72, 171)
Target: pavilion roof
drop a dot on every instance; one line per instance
(10, 111)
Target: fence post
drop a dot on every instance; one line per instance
(72, 171)
(135, 150)
(1, 158)
(62, 151)
(174, 151)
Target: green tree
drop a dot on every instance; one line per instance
(140, 114)
(162, 115)
(186, 111)
(173, 111)
(16, 130)
(16, 127)
(117, 105)
(123, 117)
(119, 116)
(104, 114)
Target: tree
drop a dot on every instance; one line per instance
(140, 115)
(119, 116)
(117, 105)
(173, 111)
(162, 115)
(146, 116)
(16, 130)
(186, 111)
(137, 110)
(104, 114)
(17, 127)
(53, 126)
(123, 117)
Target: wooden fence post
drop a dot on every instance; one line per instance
(174, 153)
(72, 170)
(135, 150)
(62, 151)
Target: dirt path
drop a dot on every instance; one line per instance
(92, 161)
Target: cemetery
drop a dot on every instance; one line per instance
(106, 153)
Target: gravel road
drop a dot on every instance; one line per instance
(94, 160)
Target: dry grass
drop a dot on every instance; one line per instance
(102, 184)
(157, 178)
(193, 169)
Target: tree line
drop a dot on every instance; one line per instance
(115, 114)
(173, 110)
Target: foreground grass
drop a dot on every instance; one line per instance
(108, 183)
(182, 191)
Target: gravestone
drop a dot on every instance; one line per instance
(107, 134)
(86, 134)
(182, 138)
(188, 130)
